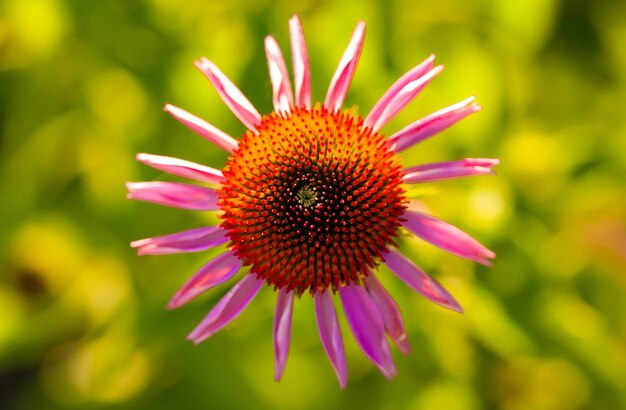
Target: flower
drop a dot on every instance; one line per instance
(311, 199)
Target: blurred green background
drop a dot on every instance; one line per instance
(82, 319)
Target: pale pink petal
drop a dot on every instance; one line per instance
(438, 171)
(282, 331)
(219, 270)
(301, 69)
(401, 93)
(345, 70)
(182, 168)
(174, 194)
(281, 87)
(419, 280)
(389, 311)
(367, 327)
(228, 308)
(232, 96)
(330, 333)
(203, 128)
(194, 240)
(397, 102)
(432, 124)
(447, 237)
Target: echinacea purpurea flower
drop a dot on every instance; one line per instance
(311, 199)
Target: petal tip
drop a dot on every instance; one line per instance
(453, 305)
(269, 41)
(388, 370)
(343, 384)
(278, 375)
(173, 304)
(450, 303)
(402, 343)
(404, 348)
(196, 337)
(487, 255)
(295, 17)
(485, 262)
(202, 63)
(193, 340)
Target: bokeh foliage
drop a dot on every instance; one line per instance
(82, 319)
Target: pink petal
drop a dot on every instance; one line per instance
(228, 308)
(203, 128)
(182, 168)
(447, 237)
(217, 271)
(330, 333)
(174, 194)
(367, 327)
(345, 71)
(281, 87)
(194, 240)
(232, 96)
(451, 169)
(420, 281)
(401, 93)
(301, 69)
(432, 124)
(282, 331)
(389, 311)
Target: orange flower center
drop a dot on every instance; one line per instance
(312, 200)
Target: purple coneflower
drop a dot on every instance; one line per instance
(312, 199)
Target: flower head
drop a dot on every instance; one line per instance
(311, 199)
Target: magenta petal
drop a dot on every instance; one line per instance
(450, 169)
(281, 87)
(182, 168)
(330, 333)
(367, 327)
(301, 70)
(194, 240)
(203, 128)
(282, 331)
(217, 271)
(389, 311)
(174, 194)
(228, 308)
(431, 124)
(401, 93)
(345, 70)
(419, 280)
(447, 237)
(232, 96)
